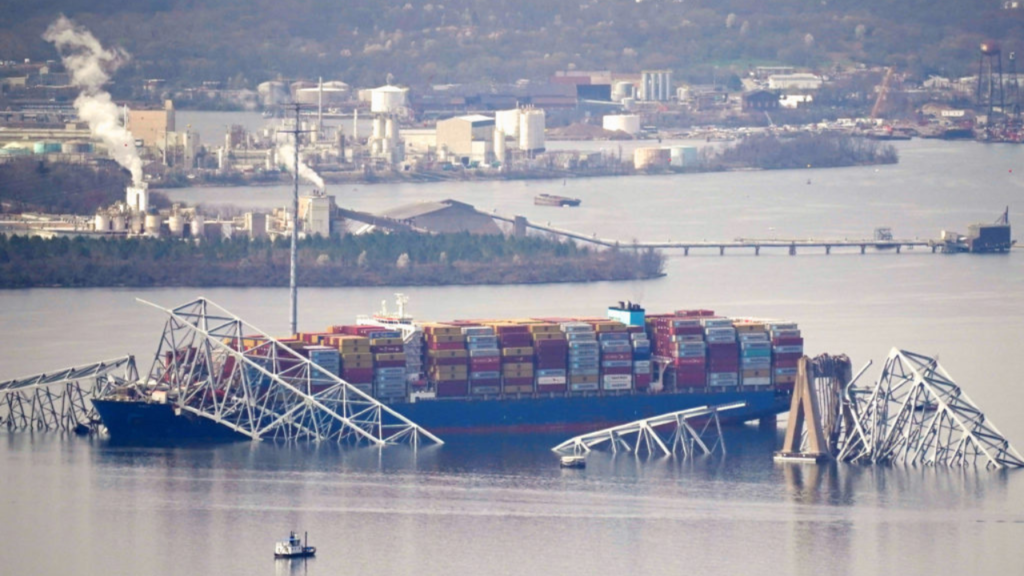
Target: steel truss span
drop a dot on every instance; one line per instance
(62, 400)
(216, 366)
(917, 414)
(665, 434)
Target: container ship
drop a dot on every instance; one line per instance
(542, 374)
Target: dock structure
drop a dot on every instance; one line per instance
(683, 436)
(791, 246)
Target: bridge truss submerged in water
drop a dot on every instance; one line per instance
(213, 365)
(62, 400)
(915, 414)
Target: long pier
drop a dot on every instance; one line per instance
(521, 224)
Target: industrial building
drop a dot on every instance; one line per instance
(801, 81)
(152, 126)
(445, 216)
(467, 138)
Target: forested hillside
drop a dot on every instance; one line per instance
(243, 42)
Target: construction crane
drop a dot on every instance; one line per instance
(883, 94)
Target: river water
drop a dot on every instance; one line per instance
(500, 505)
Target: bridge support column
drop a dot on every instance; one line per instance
(519, 227)
(933, 249)
(721, 250)
(862, 248)
(686, 251)
(898, 247)
(792, 249)
(828, 249)
(757, 250)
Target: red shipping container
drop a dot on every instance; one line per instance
(512, 329)
(623, 370)
(453, 388)
(551, 387)
(484, 364)
(642, 381)
(446, 345)
(516, 340)
(785, 363)
(788, 356)
(684, 362)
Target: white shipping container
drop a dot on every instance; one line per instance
(551, 380)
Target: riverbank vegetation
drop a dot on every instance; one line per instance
(34, 185)
(770, 152)
(366, 260)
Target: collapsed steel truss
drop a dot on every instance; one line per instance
(683, 437)
(917, 414)
(62, 400)
(214, 365)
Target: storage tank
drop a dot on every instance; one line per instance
(152, 224)
(499, 146)
(378, 127)
(683, 156)
(622, 90)
(387, 99)
(47, 147)
(651, 158)
(76, 147)
(197, 228)
(628, 123)
(390, 131)
(117, 223)
(531, 130)
(176, 225)
(508, 122)
(102, 223)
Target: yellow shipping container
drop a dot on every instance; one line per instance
(444, 329)
(357, 357)
(611, 326)
(548, 336)
(747, 327)
(386, 342)
(543, 328)
(446, 338)
(389, 357)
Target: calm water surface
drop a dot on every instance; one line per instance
(500, 505)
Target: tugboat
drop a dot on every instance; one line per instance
(294, 548)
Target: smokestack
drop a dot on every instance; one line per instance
(90, 66)
(320, 108)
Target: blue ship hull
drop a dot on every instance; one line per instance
(141, 421)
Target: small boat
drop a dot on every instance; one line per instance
(553, 200)
(573, 462)
(294, 548)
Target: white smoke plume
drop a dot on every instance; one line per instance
(286, 155)
(90, 67)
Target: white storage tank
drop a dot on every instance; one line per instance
(628, 123)
(198, 226)
(387, 99)
(176, 225)
(683, 156)
(508, 122)
(102, 223)
(651, 158)
(117, 223)
(499, 146)
(531, 130)
(390, 130)
(152, 224)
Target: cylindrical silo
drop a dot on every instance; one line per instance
(117, 223)
(499, 146)
(152, 224)
(102, 222)
(197, 226)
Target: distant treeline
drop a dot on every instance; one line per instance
(366, 260)
(34, 185)
(770, 152)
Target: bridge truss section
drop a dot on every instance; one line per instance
(62, 400)
(214, 365)
(916, 414)
(660, 435)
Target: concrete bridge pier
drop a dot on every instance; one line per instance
(792, 249)
(757, 250)
(721, 250)
(828, 249)
(863, 248)
(686, 251)
(898, 247)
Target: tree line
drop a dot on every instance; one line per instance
(376, 259)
